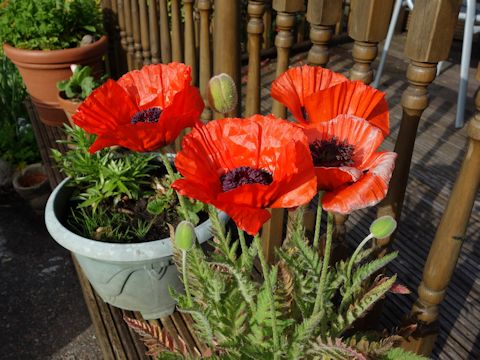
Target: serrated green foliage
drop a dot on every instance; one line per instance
(80, 84)
(234, 312)
(333, 349)
(49, 24)
(400, 354)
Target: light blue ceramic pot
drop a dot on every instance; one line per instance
(129, 276)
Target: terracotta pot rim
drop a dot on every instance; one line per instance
(27, 56)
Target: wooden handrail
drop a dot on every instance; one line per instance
(448, 241)
(429, 39)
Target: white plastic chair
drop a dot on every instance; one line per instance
(468, 13)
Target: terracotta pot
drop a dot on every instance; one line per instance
(32, 185)
(42, 69)
(69, 107)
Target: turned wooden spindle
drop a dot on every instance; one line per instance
(144, 32)
(165, 42)
(153, 30)
(190, 52)
(204, 8)
(447, 244)
(226, 43)
(368, 25)
(428, 41)
(137, 58)
(322, 16)
(177, 52)
(272, 230)
(129, 30)
(123, 35)
(285, 21)
(255, 30)
(267, 22)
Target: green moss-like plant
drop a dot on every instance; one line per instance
(49, 24)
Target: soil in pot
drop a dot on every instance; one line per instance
(32, 179)
(41, 70)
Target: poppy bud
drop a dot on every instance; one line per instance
(383, 227)
(222, 93)
(185, 236)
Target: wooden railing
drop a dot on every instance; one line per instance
(208, 36)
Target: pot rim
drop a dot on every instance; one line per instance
(35, 168)
(114, 252)
(26, 56)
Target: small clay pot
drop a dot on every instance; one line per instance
(31, 183)
(69, 107)
(42, 69)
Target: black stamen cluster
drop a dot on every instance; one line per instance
(244, 175)
(331, 153)
(148, 116)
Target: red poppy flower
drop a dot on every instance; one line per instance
(142, 111)
(296, 84)
(243, 166)
(352, 98)
(348, 168)
(314, 94)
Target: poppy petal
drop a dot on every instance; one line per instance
(156, 85)
(296, 84)
(102, 141)
(105, 108)
(333, 178)
(184, 112)
(354, 98)
(364, 137)
(368, 191)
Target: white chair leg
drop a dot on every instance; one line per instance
(388, 41)
(440, 67)
(465, 65)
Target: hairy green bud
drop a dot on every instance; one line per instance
(185, 236)
(222, 93)
(383, 227)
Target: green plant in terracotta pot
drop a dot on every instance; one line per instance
(43, 37)
(77, 88)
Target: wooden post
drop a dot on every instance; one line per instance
(129, 30)
(368, 25)
(144, 32)
(153, 29)
(137, 59)
(177, 54)
(165, 42)
(322, 16)
(286, 9)
(267, 22)
(446, 246)
(123, 36)
(428, 42)
(190, 53)
(226, 43)
(255, 30)
(204, 8)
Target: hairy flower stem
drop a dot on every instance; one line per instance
(243, 244)
(171, 173)
(326, 259)
(355, 254)
(185, 277)
(271, 300)
(318, 221)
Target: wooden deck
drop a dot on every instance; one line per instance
(437, 158)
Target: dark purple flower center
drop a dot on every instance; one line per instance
(244, 175)
(331, 153)
(147, 116)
